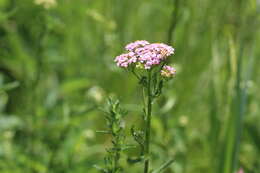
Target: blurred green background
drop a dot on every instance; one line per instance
(57, 69)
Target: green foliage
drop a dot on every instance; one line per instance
(56, 68)
(116, 130)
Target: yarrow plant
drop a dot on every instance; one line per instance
(148, 62)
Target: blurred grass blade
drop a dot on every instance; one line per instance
(164, 166)
(9, 86)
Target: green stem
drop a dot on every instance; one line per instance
(115, 162)
(164, 166)
(148, 124)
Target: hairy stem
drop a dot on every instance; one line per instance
(148, 124)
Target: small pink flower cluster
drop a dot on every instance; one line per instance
(240, 170)
(168, 71)
(139, 43)
(143, 52)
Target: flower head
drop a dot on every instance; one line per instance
(124, 60)
(168, 71)
(142, 53)
(153, 54)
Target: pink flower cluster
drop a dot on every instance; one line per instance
(240, 170)
(143, 52)
(139, 43)
(168, 71)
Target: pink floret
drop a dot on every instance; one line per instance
(168, 71)
(136, 44)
